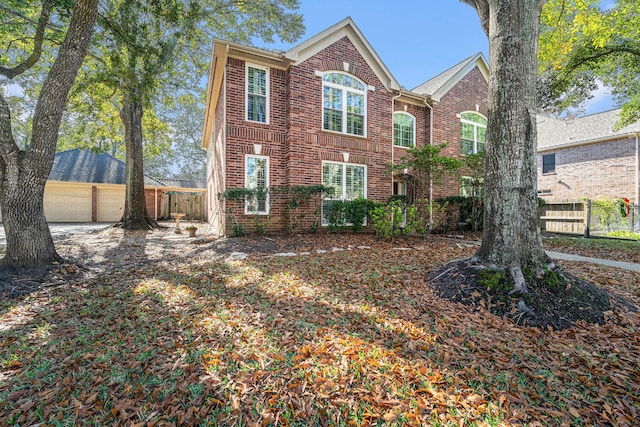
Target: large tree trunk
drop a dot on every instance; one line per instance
(23, 174)
(511, 235)
(135, 216)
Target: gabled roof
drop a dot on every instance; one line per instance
(556, 133)
(87, 166)
(345, 28)
(101, 168)
(437, 86)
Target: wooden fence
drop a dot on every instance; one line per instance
(191, 204)
(564, 217)
(579, 218)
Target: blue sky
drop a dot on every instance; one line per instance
(416, 39)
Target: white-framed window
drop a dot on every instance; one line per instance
(467, 187)
(349, 181)
(404, 130)
(256, 176)
(344, 104)
(473, 133)
(257, 90)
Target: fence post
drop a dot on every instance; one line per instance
(587, 228)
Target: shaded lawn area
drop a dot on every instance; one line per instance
(352, 337)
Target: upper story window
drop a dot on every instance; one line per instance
(404, 130)
(473, 133)
(343, 104)
(549, 163)
(257, 79)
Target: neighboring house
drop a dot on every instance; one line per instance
(588, 157)
(88, 187)
(327, 111)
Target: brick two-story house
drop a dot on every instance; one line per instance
(588, 157)
(327, 111)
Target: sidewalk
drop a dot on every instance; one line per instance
(618, 264)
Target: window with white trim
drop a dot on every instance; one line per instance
(470, 187)
(473, 133)
(257, 177)
(404, 130)
(349, 181)
(344, 100)
(257, 89)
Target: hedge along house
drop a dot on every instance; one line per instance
(90, 187)
(588, 157)
(328, 111)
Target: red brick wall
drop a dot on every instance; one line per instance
(297, 145)
(294, 139)
(605, 169)
(472, 90)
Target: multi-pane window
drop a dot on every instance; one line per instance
(343, 104)
(257, 177)
(257, 94)
(470, 187)
(473, 133)
(348, 182)
(404, 130)
(548, 163)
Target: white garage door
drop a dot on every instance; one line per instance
(67, 204)
(110, 204)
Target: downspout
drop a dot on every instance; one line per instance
(155, 204)
(430, 177)
(393, 147)
(637, 195)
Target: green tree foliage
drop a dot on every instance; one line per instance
(142, 66)
(426, 166)
(583, 42)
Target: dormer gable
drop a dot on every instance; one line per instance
(439, 85)
(345, 28)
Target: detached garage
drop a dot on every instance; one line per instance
(89, 187)
(67, 202)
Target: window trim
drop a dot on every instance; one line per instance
(413, 136)
(343, 165)
(470, 180)
(246, 91)
(552, 171)
(345, 90)
(246, 184)
(476, 125)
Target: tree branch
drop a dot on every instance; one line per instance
(482, 7)
(45, 14)
(581, 57)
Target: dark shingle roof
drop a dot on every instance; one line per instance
(101, 168)
(86, 166)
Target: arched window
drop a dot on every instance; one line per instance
(344, 100)
(404, 130)
(473, 133)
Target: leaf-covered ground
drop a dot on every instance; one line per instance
(196, 335)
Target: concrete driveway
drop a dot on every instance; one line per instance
(62, 228)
